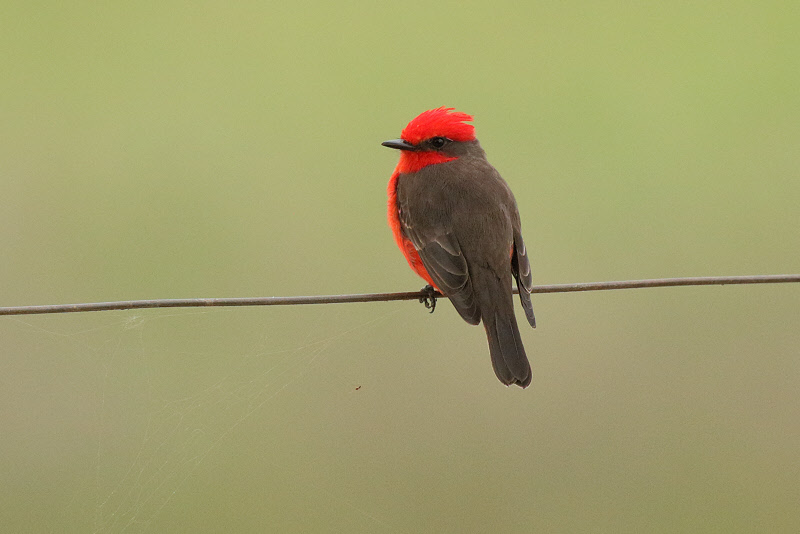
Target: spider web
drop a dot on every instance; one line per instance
(150, 436)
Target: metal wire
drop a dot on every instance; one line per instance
(385, 297)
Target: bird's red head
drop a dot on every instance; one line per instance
(439, 122)
(418, 140)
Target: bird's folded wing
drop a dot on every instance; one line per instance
(441, 255)
(521, 267)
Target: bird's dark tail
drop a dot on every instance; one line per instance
(505, 344)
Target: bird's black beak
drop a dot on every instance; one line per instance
(399, 144)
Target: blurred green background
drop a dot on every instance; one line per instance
(185, 149)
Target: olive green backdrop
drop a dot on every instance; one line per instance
(198, 149)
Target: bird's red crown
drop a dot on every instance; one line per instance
(439, 122)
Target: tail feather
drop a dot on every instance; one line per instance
(509, 360)
(496, 304)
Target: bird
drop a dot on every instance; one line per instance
(456, 222)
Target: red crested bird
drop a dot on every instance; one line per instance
(456, 222)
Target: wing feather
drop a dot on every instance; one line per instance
(442, 257)
(521, 267)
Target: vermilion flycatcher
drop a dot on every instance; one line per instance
(456, 222)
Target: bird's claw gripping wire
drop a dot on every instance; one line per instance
(429, 299)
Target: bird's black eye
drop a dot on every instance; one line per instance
(439, 142)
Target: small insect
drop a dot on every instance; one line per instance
(357, 388)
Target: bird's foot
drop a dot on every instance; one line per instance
(429, 300)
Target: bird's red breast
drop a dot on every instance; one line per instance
(405, 244)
